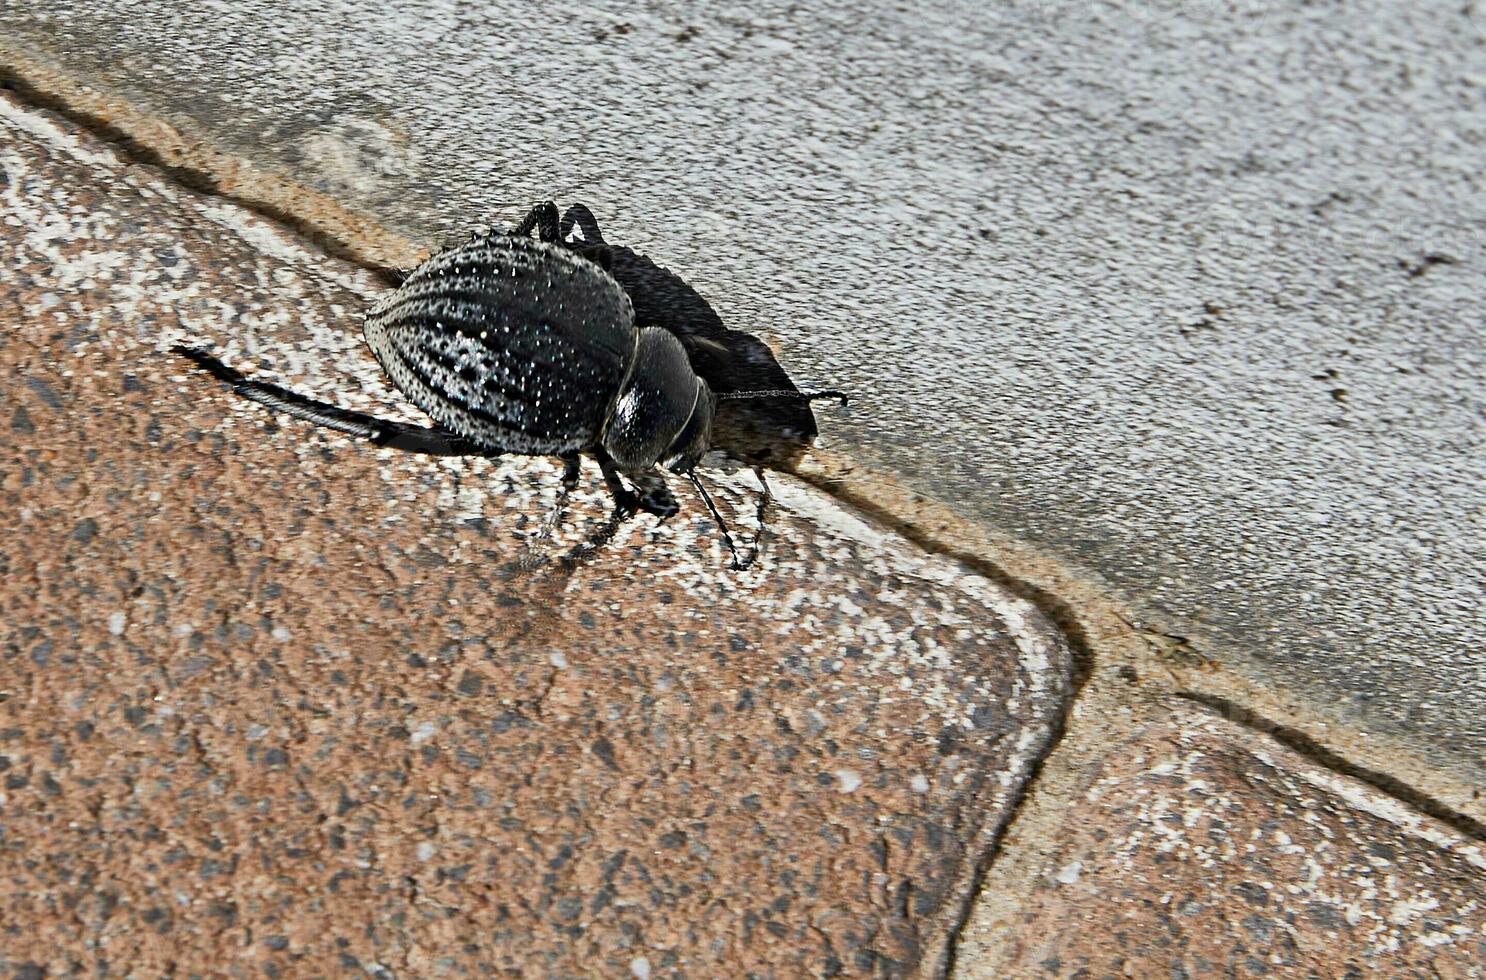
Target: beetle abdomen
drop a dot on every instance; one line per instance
(516, 345)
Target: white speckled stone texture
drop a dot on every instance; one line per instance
(1201, 848)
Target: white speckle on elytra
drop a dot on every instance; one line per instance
(281, 634)
(639, 967)
(847, 781)
(919, 783)
(558, 659)
(116, 623)
(426, 850)
(423, 732)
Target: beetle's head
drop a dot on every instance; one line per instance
(664, 412)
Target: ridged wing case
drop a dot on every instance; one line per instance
(516, 345)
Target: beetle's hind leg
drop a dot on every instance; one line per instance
(544, 219)
(379, 432)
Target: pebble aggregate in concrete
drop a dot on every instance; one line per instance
(1201, 848)
(274, 703)
(1184, 292)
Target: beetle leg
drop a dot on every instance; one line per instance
(578, 214)
(572, 467)
(736, 565)
(625, 501)
(592, 245)
(655, 497)
(600, 255)
(625, 505)
(766, 496)
(543, 217)
(380, 432)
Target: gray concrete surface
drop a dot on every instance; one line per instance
(1186, 293)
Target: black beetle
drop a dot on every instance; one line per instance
(529, 347)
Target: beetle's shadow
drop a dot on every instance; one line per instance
(758, 431)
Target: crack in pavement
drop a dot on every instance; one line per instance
(1301, 743)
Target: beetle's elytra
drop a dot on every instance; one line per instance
(508, 342)
(530, 347)
(525, 347)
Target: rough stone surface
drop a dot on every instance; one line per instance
(1184, 292)
(1204, 849)
(274, 703)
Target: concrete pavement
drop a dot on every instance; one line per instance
(1166, 316)
(1184, 297)
(274, 702)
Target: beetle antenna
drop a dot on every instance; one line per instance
(808, 396)
(737, 565)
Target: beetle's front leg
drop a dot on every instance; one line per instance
(625, 500)
(655, 497)
(626, 503)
